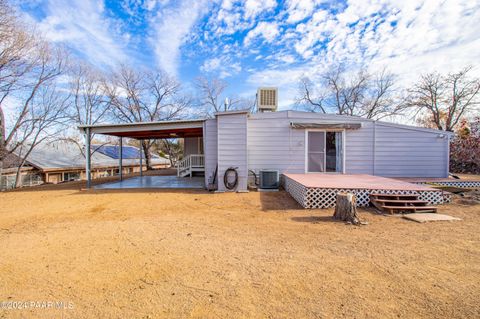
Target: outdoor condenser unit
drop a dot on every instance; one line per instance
(267, 99)
(269, 179)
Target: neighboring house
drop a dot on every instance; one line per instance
(63, 161)
(30, 175)
(296, 142)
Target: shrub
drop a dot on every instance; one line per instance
(465, 148)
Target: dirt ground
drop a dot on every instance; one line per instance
(191, 254)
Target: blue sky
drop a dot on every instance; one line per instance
(255, 43)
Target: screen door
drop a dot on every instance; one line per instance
(325, 152)
(316, 152)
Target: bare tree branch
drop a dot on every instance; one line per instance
(443, 101)
(144, 96)
(211, 96)
(360, 94)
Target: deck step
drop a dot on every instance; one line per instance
(392, 203)
(401, 201)
(410, 207)
(413, 209)
(393, 195)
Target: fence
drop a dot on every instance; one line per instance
(8, 181)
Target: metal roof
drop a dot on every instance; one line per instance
(150, 130)
(201, 120)
(67, 155)
(231, 112)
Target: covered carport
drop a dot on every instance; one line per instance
(146, 131)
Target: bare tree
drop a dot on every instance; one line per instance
(212, 97)
(48, 65)
(442, 101)
(172, 148)
(16, 46)
(45, 120)
(144, 96)
(361, 94)
(89, 102)
(17, 43)
(29, 67)
(88, 95)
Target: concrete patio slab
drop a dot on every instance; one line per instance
(429, 217)
(156, 182)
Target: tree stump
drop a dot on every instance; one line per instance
(346, 208)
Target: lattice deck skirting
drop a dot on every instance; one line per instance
(458, 183)
(316, 197)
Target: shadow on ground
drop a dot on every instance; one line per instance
(314, 219)
(274, 201)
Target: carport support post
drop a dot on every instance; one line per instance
(88, 153)
(141, 158)
(120, 166)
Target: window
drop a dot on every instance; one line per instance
(71, 176)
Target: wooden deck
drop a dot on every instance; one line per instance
(320, 190)
(360, 181)
(470, 182)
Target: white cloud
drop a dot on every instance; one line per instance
(298, 10)
(83, 26)
(211, 65)
(221, 67)
(238, 15)
(406, 37)
(171, 27)
(255, 7)
(268, 30)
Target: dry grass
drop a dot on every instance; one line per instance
(175, 254)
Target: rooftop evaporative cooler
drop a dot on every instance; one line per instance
(269, 179)
(267, 98)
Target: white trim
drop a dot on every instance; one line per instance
(344, 154)
(448, 157)
(374, 147)
(233, 112)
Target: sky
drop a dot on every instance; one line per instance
(255, 43)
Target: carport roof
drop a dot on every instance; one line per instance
(150, 130)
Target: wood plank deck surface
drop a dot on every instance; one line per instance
(438, 180)
(360, 181)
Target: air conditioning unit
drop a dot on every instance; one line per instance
(269, 179)
(267, 99)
